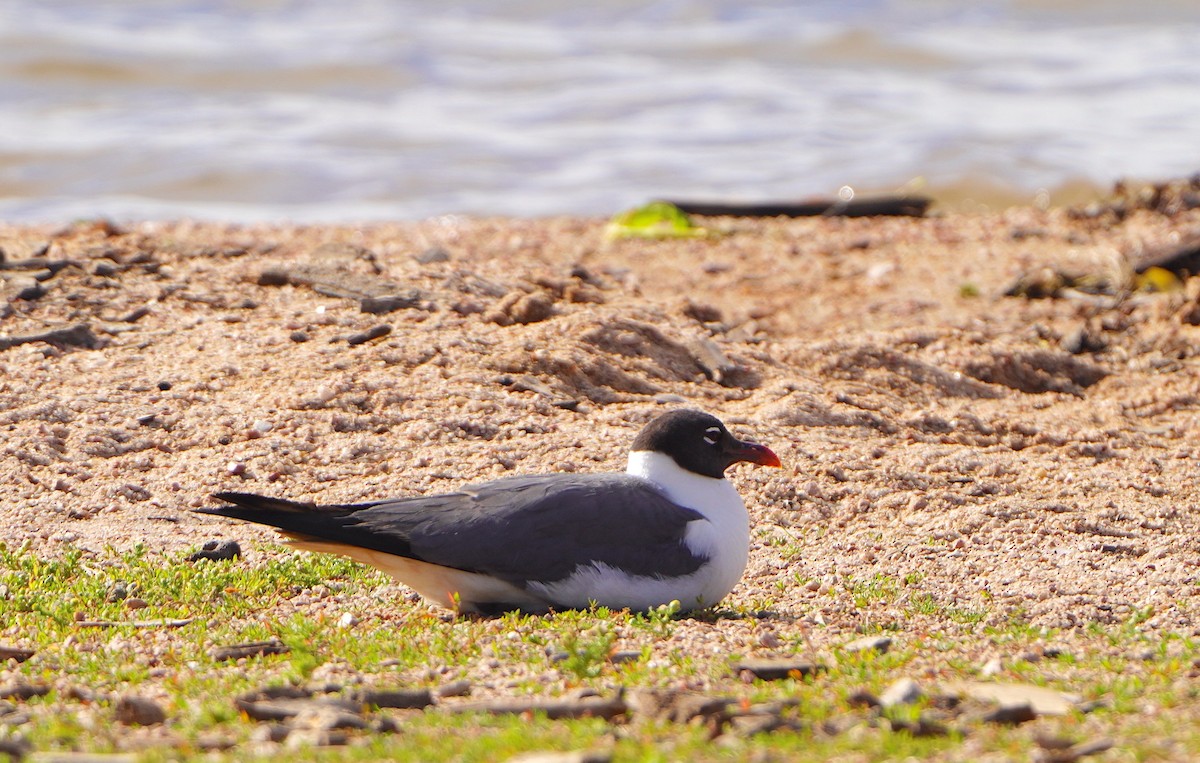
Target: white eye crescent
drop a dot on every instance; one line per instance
(712, 435)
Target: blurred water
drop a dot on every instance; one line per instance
(396, 109)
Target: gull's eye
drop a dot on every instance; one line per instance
(712, 435)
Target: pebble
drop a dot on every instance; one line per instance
(23, 691)
(905, 691)
(1042, 700)
(623, 656)
(863, 698)
(375, 332)
(118, 592)
(769, 640)
(1011, 715)
(773, 668)
(571, 756)
(270, 732)
(878, 644)
(459, 688)
(298, 738)
(327, 718)
(399, 699)
(217, 551)
(432, 255)
(133, 710)
(136, 603)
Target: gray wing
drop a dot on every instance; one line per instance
(519, 529)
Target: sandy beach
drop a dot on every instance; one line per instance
(1022, 459)
(1031, 455)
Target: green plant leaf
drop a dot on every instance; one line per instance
(658, 219)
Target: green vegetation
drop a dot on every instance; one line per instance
(658, 219)
(303, 600)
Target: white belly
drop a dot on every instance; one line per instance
(723, 536)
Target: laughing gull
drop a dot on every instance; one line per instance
(671, 528)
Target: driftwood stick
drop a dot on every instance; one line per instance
(135, 623)
(554, 709)
(251, 649)
(1178, 257)
(889, 206)
(14, 653)
(79, 335)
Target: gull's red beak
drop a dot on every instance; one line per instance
(753, 453)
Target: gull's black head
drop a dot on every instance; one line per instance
(700, 443)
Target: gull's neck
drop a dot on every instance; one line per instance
(704, 494)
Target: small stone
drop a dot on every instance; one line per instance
(215, 742)
(29, 289)
(298, 337)
(270, 732)
(164, 385)
(774, 669)
(104, 269)
(235, 468)
(459, 688)
(431, 255)
(389, 303)
(23, 691)
(118, 592)
(571, 756)
(299, 738)
(1068, 753)
(251, 649)
(133, 493)
(396, 699)
(863, 698)
(1043, 700)
(384, 724)
(133, 710)
(134, 603)
(16, 653)
(327, 718)
(769, 640)
(217, 551)
(262, 427)
(347, 620)
(991, 668)
(905, 691)
(625, 655)
(375, 332)
(1010, 715)
(878, 644)
(922, 727)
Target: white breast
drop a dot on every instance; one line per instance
(723, 536)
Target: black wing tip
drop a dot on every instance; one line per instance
(255, 502)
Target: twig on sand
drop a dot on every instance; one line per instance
(79, 335)
(135, 623)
